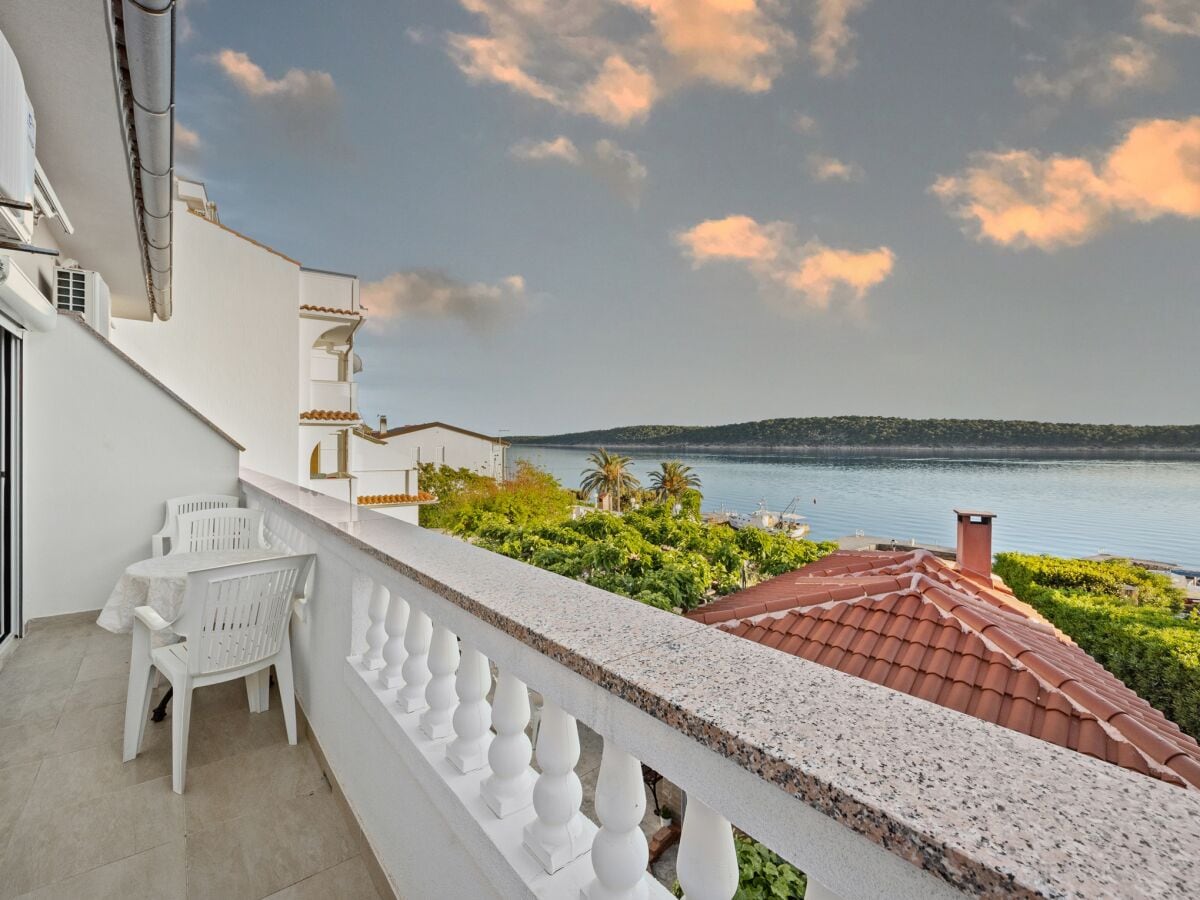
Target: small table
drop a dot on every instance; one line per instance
(161, 582)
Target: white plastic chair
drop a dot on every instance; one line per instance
(177, 506)
(235, 625)
(219, 529)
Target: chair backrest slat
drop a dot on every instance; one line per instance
(234, 616)
(219, 529)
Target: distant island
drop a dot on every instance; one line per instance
(837, 434)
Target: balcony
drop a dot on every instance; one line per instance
(412, 644)
(340, 396)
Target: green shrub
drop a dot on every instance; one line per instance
(1148, 645)
(763, 874)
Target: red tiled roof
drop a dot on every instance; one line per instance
(328, 415)
(328, 309)
(918, 624)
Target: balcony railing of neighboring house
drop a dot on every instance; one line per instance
(341, 396)
(372, 482)
(873, 793)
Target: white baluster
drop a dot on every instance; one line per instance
(818, 891)
(439, 693)
(619, 851)
(377, 610)
(560, 832)
(469, 749)
(707, 866)
(391, 675)
(415, 670)
(510, 786)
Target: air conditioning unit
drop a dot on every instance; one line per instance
(18, 142)
(83, 292)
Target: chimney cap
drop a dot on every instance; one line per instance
(974, 514)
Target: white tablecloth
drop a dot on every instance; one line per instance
(160, 584)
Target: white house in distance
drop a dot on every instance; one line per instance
(447, 445)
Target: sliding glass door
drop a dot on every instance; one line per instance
(10, 484)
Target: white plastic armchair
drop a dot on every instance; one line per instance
(219, 529)
(177, 506)
(235, 625)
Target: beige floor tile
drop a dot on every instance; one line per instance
(31, 705)
(56, 649)
(79, 729)
(15, 784)
(103, 664)
(27, 742)
(252, 781)
(98, 692)
(156, 874)
(96, 771)
(345, 881)
(252, 856)
(39, 676)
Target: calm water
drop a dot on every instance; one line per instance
(1146, 508)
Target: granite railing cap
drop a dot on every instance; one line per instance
(991, 811)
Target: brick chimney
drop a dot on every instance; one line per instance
(974, 551)
(382, 424)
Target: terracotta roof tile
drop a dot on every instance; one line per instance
(913, 622)
(330, 309)
(328, 415)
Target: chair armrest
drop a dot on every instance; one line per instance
(151, 619)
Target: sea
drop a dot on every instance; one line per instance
(1146, 508)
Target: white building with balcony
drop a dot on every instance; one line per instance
(420, 660)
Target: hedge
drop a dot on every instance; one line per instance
(1151, 647)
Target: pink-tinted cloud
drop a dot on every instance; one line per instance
(830, 168)
(1175, 17)
(306, 85)
(611, 163)
(427, 294)
(187, 141)
(1020, 198)
(812, 272)
(561, 148)
(615, 59)
(1100, 70)
(832, 41)
(620, 94)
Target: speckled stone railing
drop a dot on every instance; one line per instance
(872, 792)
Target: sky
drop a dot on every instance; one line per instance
(575, 214)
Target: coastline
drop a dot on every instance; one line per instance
(895, 451)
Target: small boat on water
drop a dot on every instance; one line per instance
(787, 522)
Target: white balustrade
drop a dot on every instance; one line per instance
(619, 850)
(707, 865)
(469, 749)
(391, 675)
(377, 634)
(439, 692)
(415, 670)
(509, 788)
(560, 832)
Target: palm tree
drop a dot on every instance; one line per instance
(673, 480)
(609, 474)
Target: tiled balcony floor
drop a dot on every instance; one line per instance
(258, 818)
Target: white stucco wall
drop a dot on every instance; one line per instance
(229, 348)
(451, 448)
(104, 447)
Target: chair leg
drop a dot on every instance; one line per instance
(253, 694)
(287, 691)
(180, 720)
(137, 696)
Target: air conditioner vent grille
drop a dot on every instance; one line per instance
(70, 291)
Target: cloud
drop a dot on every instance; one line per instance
(428, 294)
(561, 148)
(309, 86)
(620, 169)
(620, 94)
(1100, 70)
(1174, 17)
(815, 273)
(804, 124)
(830, 168)
(187, 141)
(1018, 198)
(832, 41)
(615, 60)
